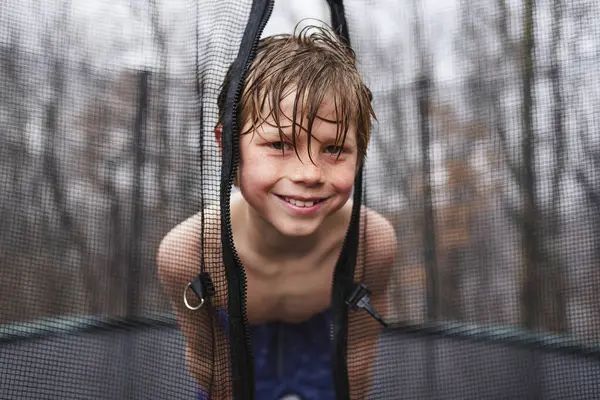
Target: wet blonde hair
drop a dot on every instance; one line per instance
(315, 63)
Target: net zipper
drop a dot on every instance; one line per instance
(248, 375)
(343, 274)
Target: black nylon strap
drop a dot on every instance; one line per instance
(343, 276)
(242, 365)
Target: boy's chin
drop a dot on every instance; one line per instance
(297, 229)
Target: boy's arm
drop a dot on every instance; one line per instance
(178, 263)
(364, 330)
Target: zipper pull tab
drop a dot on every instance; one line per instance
(360, 298)
(203, 288)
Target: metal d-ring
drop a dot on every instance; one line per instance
(185, 301)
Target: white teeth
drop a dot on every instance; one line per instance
(298, 203)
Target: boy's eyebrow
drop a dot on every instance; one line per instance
(289, 125)
(273, 132)
(329, 121)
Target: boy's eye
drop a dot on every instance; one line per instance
(333, 150)
(280, 145)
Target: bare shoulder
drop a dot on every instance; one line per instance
(377, 244)
(377, 249)
(379, 236)
(180, 251)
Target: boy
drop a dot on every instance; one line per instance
(306, 120)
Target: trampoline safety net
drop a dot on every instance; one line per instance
(473, 224)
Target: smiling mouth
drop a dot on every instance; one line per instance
(300, 203)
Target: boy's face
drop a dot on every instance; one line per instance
(291, 193)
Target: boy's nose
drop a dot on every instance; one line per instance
(307, 173)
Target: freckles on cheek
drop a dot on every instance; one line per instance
(258, 167)
(343, 179)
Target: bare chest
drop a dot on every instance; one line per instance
(294, 293)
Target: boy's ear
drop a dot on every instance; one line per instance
(219, 135)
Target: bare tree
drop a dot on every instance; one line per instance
(424, 83)
(529, 218)
(542, 302)
(544, 282)
(586, 174)
(160, 107)
(554, 279)
(13, 161)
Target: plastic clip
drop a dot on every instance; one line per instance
(360, 298)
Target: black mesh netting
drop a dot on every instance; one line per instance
(484, 159)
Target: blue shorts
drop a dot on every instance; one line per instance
(291, 359)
